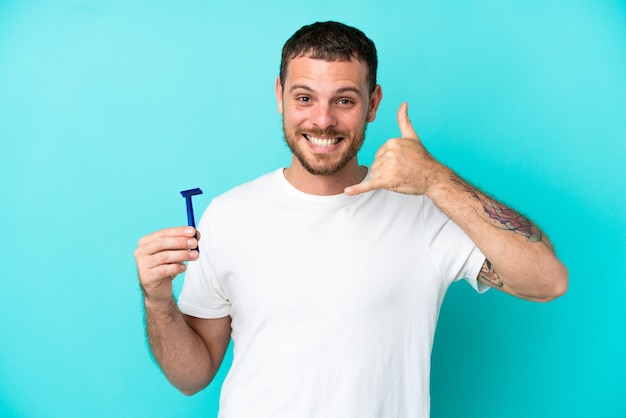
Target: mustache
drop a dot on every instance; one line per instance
(323, 132)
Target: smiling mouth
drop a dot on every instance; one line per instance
(322, 142)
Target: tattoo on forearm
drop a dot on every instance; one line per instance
(489, 275)
(504, 218)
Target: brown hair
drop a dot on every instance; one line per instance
(331, 41)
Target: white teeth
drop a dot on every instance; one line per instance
(321, 142)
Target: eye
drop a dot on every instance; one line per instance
(345, 102)
(303, 99)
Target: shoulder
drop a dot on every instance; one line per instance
(254, 189)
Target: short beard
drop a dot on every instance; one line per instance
(324, 167)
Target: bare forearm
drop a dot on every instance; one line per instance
(521, 259)
(178, 349)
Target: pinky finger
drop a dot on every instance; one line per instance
(361, 188)
(169, 271)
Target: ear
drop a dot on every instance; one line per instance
(279, 95)
(375, 99)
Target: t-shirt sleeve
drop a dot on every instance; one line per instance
(202, 294)
(454, 253)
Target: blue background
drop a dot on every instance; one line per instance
(109, 109)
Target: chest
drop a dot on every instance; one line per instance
(313, 264)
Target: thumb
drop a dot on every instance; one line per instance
(406, 128)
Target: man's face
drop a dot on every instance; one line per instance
(326, 107)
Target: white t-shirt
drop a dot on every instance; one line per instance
(334, 299)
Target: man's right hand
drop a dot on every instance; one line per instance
(161, 256)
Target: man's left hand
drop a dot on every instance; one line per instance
(402, 165)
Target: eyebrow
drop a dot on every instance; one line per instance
(338, 91)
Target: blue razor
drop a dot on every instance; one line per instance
(190, 218)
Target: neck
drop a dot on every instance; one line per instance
(320, 185)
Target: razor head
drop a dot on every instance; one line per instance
(191, 192)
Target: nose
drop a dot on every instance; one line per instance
(323, 116)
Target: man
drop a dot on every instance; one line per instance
(328, 276)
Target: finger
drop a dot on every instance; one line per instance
(381, 151)
(377, 164)
(181, 231)
(406, 127)
(188, 231)
(164, 271)
(166, 243)
(156, 282)
(164, 264)
(366, 186)
(179, 256)
(172, 257)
